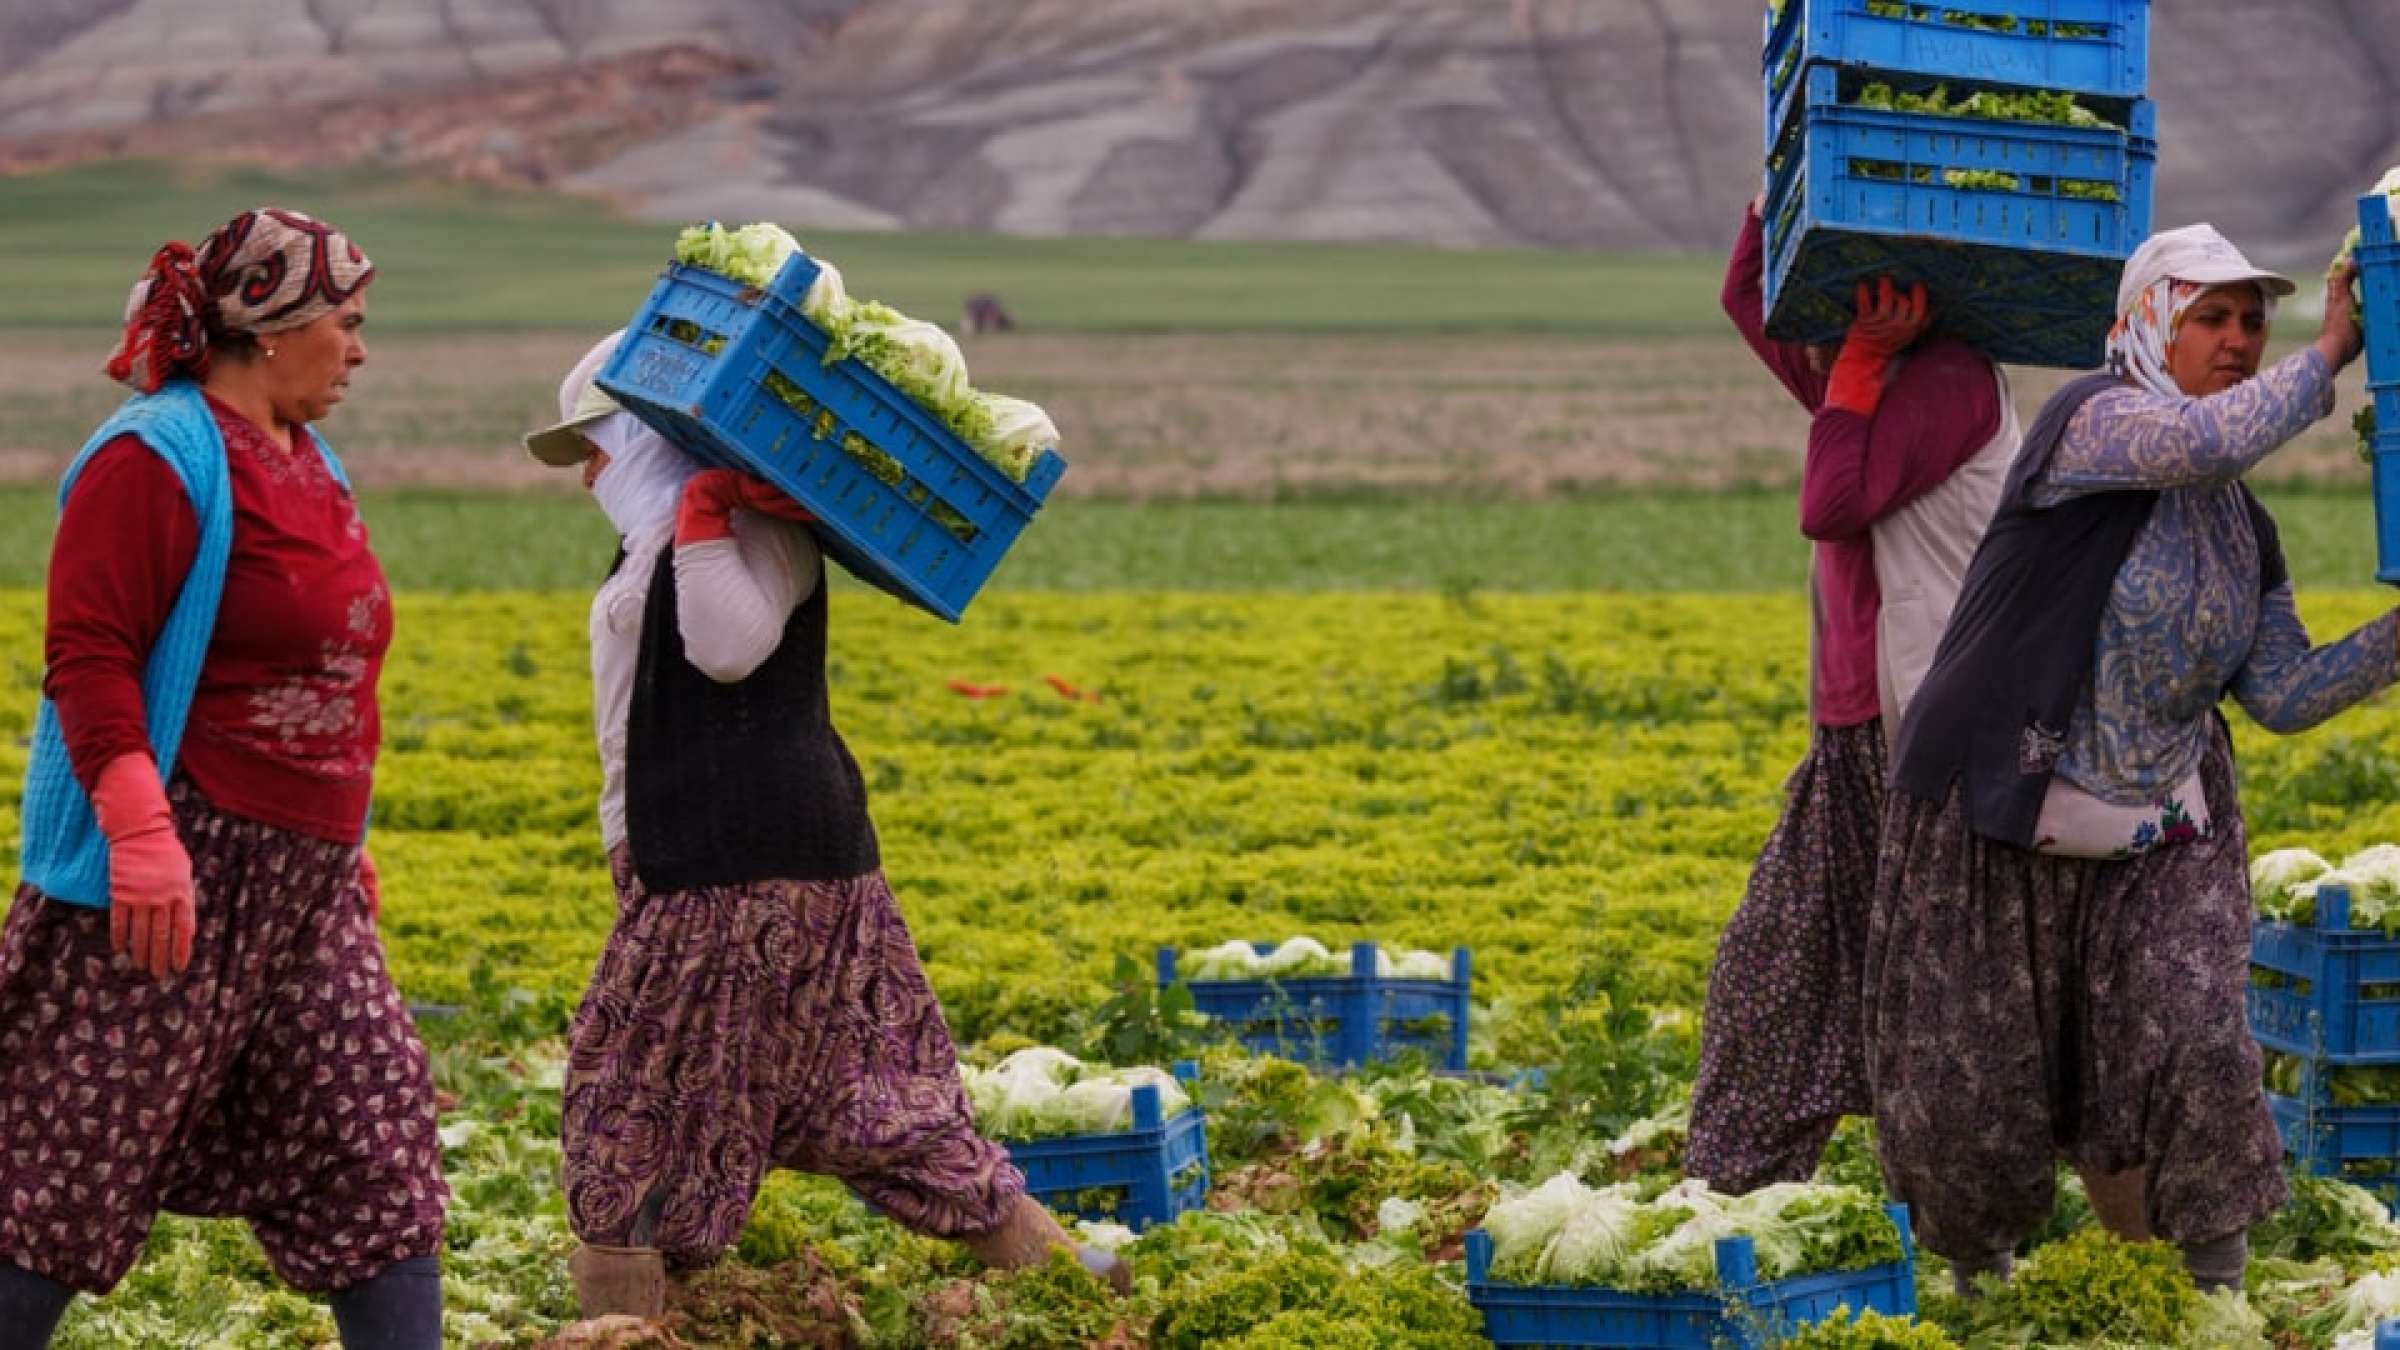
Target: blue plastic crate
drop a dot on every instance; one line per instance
(1155, 1171)
(1743, 1311)
(2359, 1144)
(2028, 275)
(1342, 1021)
(2384, 458)
(736, 375)
(2319, 1009)
(2379, 293)
(2387, 1335)
(2099, 48)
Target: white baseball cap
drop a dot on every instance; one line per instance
(2195, 253)
(581, 402)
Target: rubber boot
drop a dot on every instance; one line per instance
(619, 1281)
(1026, 1238)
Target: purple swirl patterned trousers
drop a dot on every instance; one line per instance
(277, 1078)
(781, 1024)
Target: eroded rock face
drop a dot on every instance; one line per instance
(1591, 123)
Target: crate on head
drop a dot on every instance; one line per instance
(1341, 1021)
(2096, 47)
(2018, 230)
(2325, 991)
(736, 375)
(1140, 1176)
(1743, 1311)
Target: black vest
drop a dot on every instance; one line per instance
(727, 784)
(2013, 663)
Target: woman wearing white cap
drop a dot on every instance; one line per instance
(759, 1003)
(2060, 935)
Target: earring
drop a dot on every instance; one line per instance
(270, 353)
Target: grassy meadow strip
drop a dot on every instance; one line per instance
(469, 256)
(452, 542)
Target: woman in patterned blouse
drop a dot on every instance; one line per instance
(2060, 936)
(194, 1010)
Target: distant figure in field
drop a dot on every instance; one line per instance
(985, 315)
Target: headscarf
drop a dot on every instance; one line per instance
(2137, 345)
(264, 271)
(643, 483)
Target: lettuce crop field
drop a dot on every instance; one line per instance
(1571, 785)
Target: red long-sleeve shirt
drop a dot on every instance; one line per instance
(284, 724)
(1940, 406)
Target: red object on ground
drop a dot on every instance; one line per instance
(1066, 690)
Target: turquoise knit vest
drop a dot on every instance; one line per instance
(62, 851)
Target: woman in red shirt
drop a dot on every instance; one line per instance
(198, 977)
(1910, 438)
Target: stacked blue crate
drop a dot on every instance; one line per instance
(2329, 995)
(737, 376)
(2379, 292)
(2019, 230)
(1342, 1021)
(1138, 1177)
(1743, 1311)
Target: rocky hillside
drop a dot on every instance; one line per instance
(1589, 123)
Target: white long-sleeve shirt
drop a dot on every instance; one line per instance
(733, 597)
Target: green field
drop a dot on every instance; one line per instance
(456, 257)
(1434, 597)
(1741, 541)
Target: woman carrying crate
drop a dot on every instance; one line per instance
(1908, 442)
(759, 1002)
(2060, 939)
(194, 1010)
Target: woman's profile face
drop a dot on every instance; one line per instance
(2220, 340)
(593, 463)
(312, 365)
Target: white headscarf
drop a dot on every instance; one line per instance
(643, 482)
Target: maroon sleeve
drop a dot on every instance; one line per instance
(1745, 301)
(1942, 407)
(124, 544)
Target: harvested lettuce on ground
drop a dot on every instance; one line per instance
(1305, 958)
(1566, 1233)
(2358, 1308)
(2276, 880)
(1044, 1093)
(2284, 885)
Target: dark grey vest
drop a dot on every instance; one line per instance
(1993, 711)
(727, 784)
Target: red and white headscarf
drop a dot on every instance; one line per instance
(264, 271)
